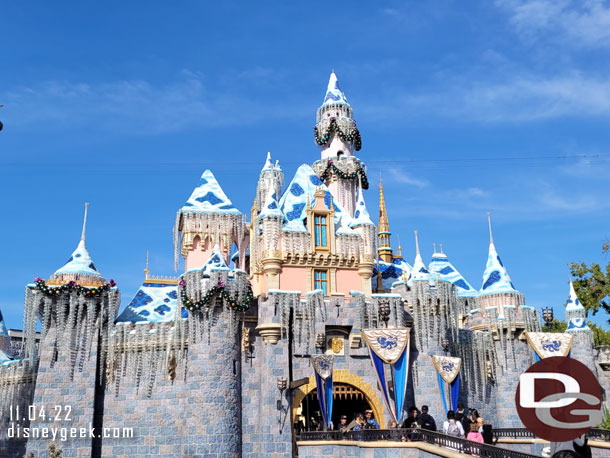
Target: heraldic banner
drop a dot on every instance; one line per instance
(547, 344)
(390, 346)
(323, 366)
(448, 372)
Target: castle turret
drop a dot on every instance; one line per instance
(365, 227)
(338, 137)
(576, 316)
(270, 181)
(269, 225)
(207, 219)
(76, 309)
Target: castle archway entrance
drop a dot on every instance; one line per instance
(351, 395)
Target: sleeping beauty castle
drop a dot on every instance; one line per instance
(283, 319)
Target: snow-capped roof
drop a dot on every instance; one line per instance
(216, 261)
(419, 272)
(361, 215)
(446, 271)
(268, 165)
(333, 91)
(495, 278)
(301, 189)
(208, 197)
(270, 208)
(574, 304)
(3, 330)
(154, 302)
(391, 272)
(80, 263)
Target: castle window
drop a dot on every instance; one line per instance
(320, 280)
(320, 230)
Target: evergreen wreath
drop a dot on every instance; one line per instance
(87, 291)
(213, 293)
(352, 135)
(346, 176)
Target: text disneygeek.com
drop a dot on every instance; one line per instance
(65, 433)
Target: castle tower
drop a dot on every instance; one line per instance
(502, 307)
(385, 249)
(208, 218)
(270, 181)
(365, 227)
(338, 136)
(269, 222)
(76, 308)
(582, 346)
(5, 340)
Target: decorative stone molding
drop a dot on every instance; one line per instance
(270, 332)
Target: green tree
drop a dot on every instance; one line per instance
(600, 335)
(556, 326)
(592, 284)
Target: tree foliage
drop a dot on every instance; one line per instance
(600, 335)
(556, 326)
(592, 284)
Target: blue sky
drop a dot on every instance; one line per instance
(465, 107)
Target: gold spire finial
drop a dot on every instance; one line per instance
(82, 237)
(491, 237)
(146, 271)
(385, 249)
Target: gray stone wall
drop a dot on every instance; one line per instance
(197, 415)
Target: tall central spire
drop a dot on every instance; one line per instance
(82, 236)
(385, 250)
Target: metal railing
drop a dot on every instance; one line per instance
(415, 435)
(523, 433)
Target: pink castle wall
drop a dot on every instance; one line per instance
(196, 258)
(294, 278)
(348, 280)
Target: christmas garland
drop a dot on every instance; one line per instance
(213, 293)
(346, 176)
(88, 291)
(352, 136)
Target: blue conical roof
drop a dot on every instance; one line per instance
(208, 197)
(80, 263)
(495, 278)
(574, 304)
(333, 92)
(270, 208)
(419, 272)
(301, 189)
(216, 261)
(3, 330)
(153, 302)
(446, 271)
(361, 215)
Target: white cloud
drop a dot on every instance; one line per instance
(140, 106)
(573, 22)
(405, 178)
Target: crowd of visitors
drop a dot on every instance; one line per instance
(459, 424)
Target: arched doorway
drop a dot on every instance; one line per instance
(345, 384)
(347, 400)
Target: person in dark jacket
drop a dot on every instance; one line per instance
(425, 420)
(412, 420)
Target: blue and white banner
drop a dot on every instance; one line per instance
(448, 373)
(547, 344)
(323, 367)
(390, 346)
